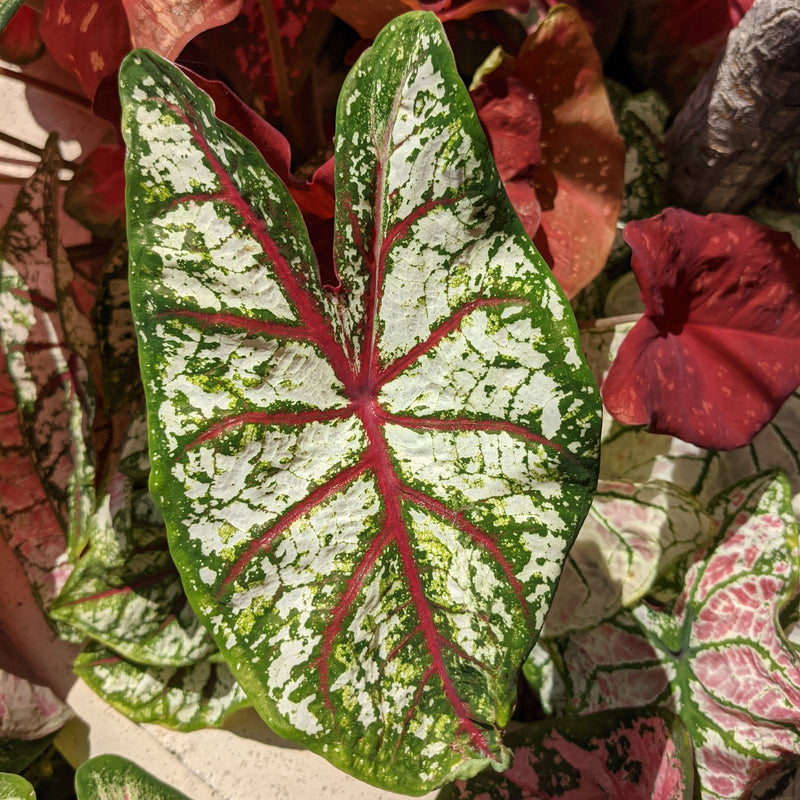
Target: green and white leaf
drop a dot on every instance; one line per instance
(183, 698)
(369, 494)
(7, 10)
(633, 534)
(545, 678)
(111, 777)
(15, 787)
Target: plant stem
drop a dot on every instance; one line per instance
(32, 148)
(279, 69)
(608, 322)
(38, 83)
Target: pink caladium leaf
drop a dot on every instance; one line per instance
(27, 710)
(715, 355)
(717, 654)
(165, 26)
(578, 181)
(96, 194)
(20, 42)
(369, 16)
(635, 755)
(42, 332)
(370, 492)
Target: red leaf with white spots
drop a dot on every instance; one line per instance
(27, 710)
(165, 26)
(621, 755)
(578, 181)
(20, 42)
(88, 38)
(717, 654)
(716, 353)
(369, 16)
(96, 194)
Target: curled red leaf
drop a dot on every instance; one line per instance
(96, 194)
(716, 353)
(20, 42)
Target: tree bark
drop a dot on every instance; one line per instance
(742, 122)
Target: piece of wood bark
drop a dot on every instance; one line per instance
(742, 122)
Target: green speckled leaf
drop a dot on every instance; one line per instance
(14, 787)
(718, 655)
(125, 591)
(633, 533)
(183, 698)
(369, 492)
(110, 777)
(7, 10)
(619, 755)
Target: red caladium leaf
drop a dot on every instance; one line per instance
(167, 25)
(716, 352)
(96, 194)
(622, 755)
(579, 180)
(369, 493)
(717, 655)
(369, 16)
(20, 42)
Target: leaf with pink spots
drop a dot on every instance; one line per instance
(635, 755)
(718, 655)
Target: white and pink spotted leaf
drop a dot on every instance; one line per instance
(28, 711)
(621, 755)
(718, 655)
(110, 777)
(369, 493)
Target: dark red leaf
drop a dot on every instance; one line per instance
(20, 42)
(716, 353)
(96, 194)
(369, 16)
(511, 118)
(604, 20)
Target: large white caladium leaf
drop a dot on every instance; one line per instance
(184, 698)
(718, 654)
(369, 493)
(110, 777)
(629, 755)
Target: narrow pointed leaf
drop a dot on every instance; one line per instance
(110, 777)
(41, 332)
(183, 698)
(718, 655)
(631, 535)
(635, 755)
(15, 787)
(369, 494)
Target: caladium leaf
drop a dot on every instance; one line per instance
(636, 755)
(369, 16)
(631, 535)
(27, 710)
(7, 10)
(779, 220)
(41, 332)
(20, 42)
(96, 194)
(717, 655)
(167, 25)
(722, 321)
(369, 494)
(579, 181)
(16, 754)
(15, 787)
(110, 777)
(183, 698)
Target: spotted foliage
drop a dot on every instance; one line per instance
(110, 777)
(369, 493)
(717, 654)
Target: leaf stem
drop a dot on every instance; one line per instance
(32, 148)
(604, 323)
(279, 69)
(45, 86)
